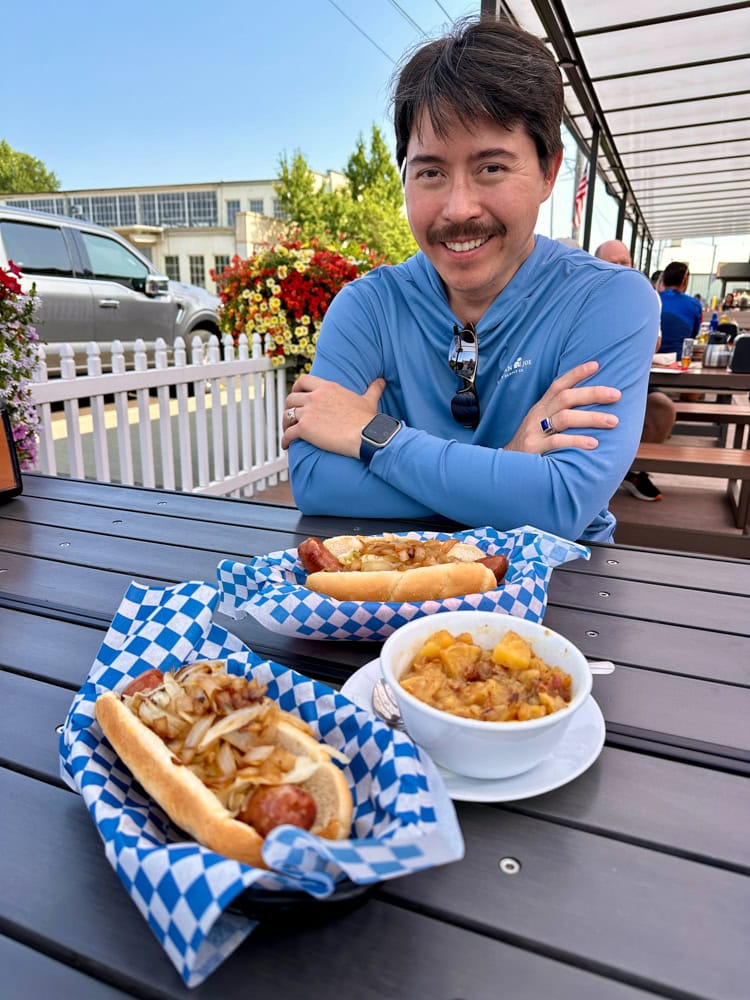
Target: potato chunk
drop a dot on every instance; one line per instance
(512, 652)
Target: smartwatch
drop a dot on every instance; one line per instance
(377, 434)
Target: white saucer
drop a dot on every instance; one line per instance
(576, 752)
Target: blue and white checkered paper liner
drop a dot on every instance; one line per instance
(271, 588)
(403, 818)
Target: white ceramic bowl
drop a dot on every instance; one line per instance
(468, 746)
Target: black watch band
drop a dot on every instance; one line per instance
(376, 435)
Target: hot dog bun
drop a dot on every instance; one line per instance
(393, 568)
(195, 808)
(427, 583)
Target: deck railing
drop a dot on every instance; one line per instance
(211, 425)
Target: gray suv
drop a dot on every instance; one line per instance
(94, 285)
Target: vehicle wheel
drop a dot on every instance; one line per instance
(205, 333)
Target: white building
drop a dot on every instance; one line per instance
(186, 230)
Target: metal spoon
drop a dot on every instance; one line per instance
(385, 705)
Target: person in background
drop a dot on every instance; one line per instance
(656, 280)
(510, 371)
(681, 315)
(615, 252)
(660, 410)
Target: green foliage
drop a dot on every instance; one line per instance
(368, 211)
(21, 173)
(376, 171)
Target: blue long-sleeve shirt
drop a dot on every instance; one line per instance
(561, 308)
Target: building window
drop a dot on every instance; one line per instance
(256, 205)
(171, 208)
(197, 271)
(221, 260)
(172, 266)
(42, 204)
(104, 210)
(148, 209)
(127, 209)
(278, 211)
(233, 208)
(202, 210)
(80, 208)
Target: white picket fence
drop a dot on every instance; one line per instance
(211, 426)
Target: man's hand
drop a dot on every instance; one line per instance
(328, 415)
(557, 406)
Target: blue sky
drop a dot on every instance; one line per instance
(179, 91)
(166, 92)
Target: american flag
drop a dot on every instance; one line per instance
(579, 200)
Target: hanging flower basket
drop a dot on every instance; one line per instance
(18, 358)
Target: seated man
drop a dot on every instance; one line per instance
(660, 410)
(511, 372)
(681, 314)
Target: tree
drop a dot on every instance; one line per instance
(299, 196)
(369, 210)
(378, 169)
(21, 173)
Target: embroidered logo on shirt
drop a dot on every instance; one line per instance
(516, 367)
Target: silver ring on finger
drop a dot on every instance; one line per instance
(547, 426)
(291, 414)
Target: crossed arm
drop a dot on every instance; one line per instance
(559, 482)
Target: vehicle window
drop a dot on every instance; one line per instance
(110, 259)
(36, 249)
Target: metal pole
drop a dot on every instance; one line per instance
(590, 192)
(622, 203)
(575, 231)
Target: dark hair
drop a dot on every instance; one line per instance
(483, 68)
(674, 274)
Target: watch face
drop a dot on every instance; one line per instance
(381, 428)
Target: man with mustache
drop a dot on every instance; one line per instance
(496, 377)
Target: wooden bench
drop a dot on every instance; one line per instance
(727, 414)
(732, 464)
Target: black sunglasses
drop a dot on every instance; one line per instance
(464, 361)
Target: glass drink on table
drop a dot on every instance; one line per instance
(687, 352)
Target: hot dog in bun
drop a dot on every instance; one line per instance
(394, 568)
(225, 763)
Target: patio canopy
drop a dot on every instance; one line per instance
(660, 91)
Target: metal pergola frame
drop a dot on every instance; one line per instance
(663, 121)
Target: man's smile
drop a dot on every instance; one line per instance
(468, 245)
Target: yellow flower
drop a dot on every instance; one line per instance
(274, 304)
(282, 270)
(276, 289)
(300, 331)
(299, 266)
(257, 297)
(278, 339)
(305, 320)
(246, 294)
